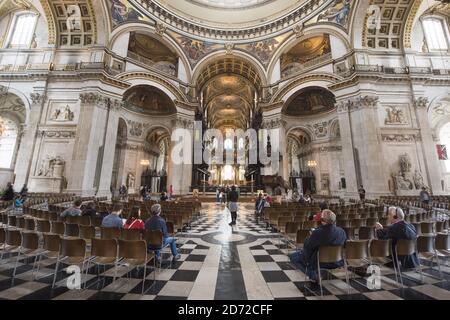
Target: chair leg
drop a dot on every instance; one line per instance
(15, 268)
(143, 280)
(320, 281)
(56, 272)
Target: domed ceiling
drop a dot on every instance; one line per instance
(224, 12)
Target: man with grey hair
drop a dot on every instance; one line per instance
(327, 234)
(158, 223)
(398, 229)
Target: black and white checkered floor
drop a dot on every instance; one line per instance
(218, 262)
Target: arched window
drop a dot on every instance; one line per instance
(444, 136)
(436, 33)
(22, 30)
(228, 144)
(8, 139)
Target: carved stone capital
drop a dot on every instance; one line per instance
(421, 102)
(273, 123)
(358, 102)
(160, 28)
(37, 98)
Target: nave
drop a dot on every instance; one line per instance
(247, 261)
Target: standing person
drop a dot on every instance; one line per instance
(217, 195)
(8, 194)
(425, 196)
(170, 192)
(158, 223)
(232, 199)
(24, 191)
(259, 205)
(362, 193)
(134, 219)
(123, 191)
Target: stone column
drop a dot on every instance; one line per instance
(364, 122)
(180, 174)
(109, 149)
(28, 140)
(89, 138)
(347, 147)
(432, 165)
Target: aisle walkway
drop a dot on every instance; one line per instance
(218, 262)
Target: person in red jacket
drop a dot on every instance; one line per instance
(134, 220)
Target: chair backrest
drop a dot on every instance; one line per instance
(12, 220)
(425, 243)
(380, 248)
(52, 242)
(440, 226)
(43, 226)
(30, 224)
(132, 249)
(73, 247)
(20, 222)
(357, 249)
(427, 227)
(330, 254)
(292, 227)
(13, 238)
(154, 238)
(84, 220)
(443, 241)
(309, 224)
(58, 227)
(72, 230)
(4, 218)
(418, 227)
(170, 228)
(71, 219)
(406, 247)
(110, 233)
(2, 235)
(301, 235)
(350, 232)
(30, 240)
(104, 247)
(366, 233)
(96, 222)
(371, 222)
(87, 232)
(130, 234)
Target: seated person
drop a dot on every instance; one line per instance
(158, 223)
(134, 220)
(89, 210)
(113, 220)
(18, 203)
(398, 229)
(73, 211)
(327, 234)
(318, 216)
(164, 197)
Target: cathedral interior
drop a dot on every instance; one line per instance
(348, 94)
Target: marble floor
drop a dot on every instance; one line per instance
(244, 262)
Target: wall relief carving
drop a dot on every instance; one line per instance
(51, 167)
(395, 115)
(62, 115)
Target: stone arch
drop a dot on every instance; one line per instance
(308, 32)
(151, 31)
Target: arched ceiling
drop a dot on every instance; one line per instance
(309, 101)
(148, 100)
(11, 106)
(228, 100)
(232, 65)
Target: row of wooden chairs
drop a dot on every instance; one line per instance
(74, 251)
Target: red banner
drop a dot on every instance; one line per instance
(442, 151)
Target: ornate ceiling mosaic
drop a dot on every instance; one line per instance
(230, 4)
(311, 100)
(148, 100)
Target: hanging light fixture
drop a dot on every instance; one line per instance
(312, 163)
(145, 162)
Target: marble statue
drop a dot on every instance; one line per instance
(418, 180)
(394, 116)
(130, 180)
